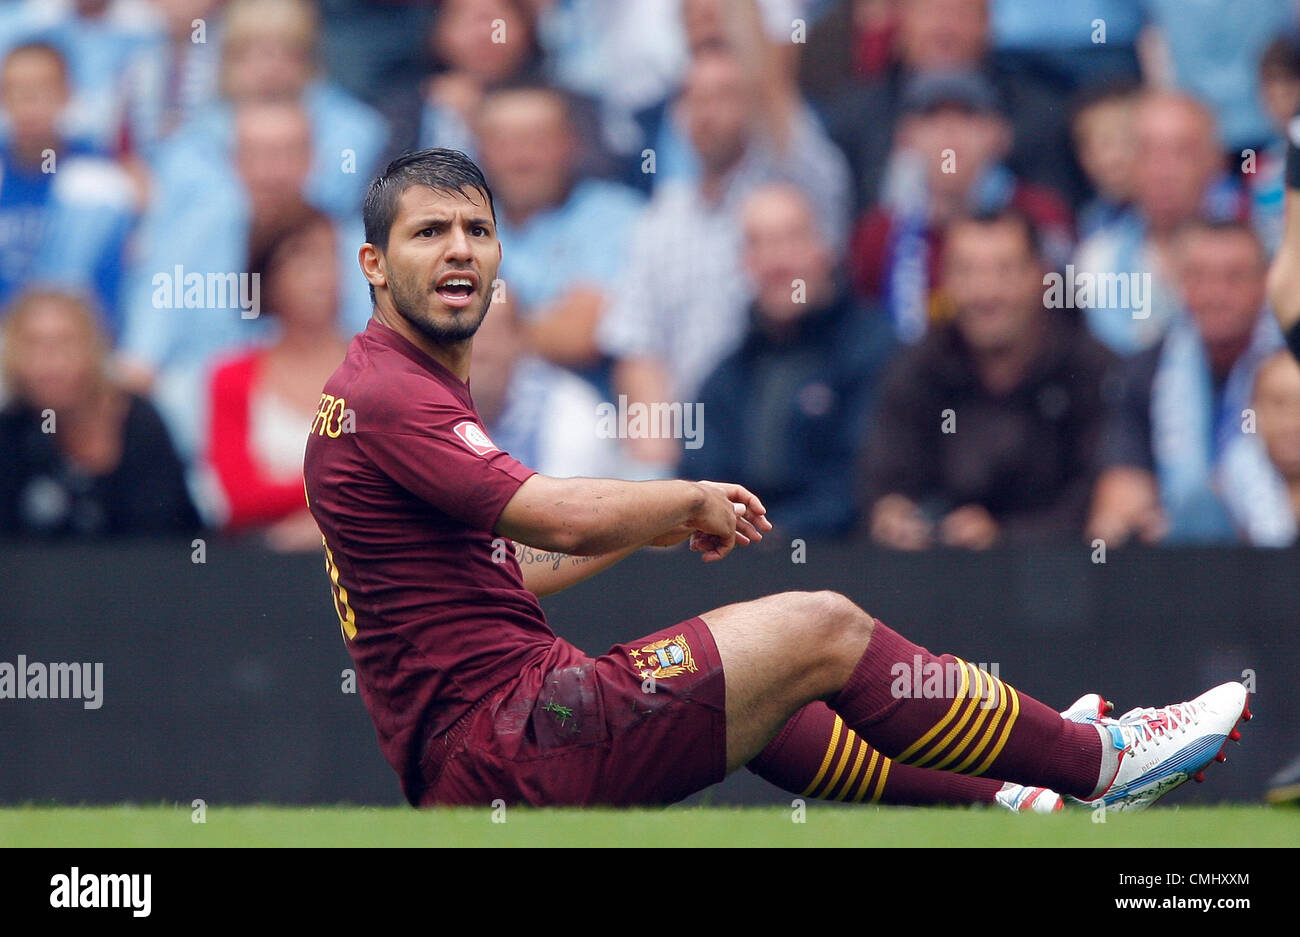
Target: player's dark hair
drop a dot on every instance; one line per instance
(439, 168)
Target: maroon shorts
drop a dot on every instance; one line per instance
(644, 723)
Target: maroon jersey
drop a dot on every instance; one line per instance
(407, 488)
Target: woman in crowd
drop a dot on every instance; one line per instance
(261, 402)
(79, 456)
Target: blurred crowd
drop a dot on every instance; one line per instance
(948, 272)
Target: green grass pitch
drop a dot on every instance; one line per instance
(824, 825)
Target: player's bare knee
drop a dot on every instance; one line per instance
(834, 623)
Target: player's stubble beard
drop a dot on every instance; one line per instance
(410, 300)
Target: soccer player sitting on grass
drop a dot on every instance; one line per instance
(438, 544)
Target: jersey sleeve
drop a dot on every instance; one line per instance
(441, 454)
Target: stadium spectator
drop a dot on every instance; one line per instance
(947, 161)
(269, 55)
(757, 30)
(173, 76)
(79, 456)
(65, 213)
(1211, 50)
(535, 410)
(99, 39)
(1183, 406)
(988, 429)
(475, 45)
(261, 402)
(564, 237)
(174, 329)
(680, 308)
(1279, 82)
(946, 36)
(1266, 508)
(785, 414)
(1103, 132)
(1177, 177)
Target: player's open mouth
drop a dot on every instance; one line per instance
(456, 289)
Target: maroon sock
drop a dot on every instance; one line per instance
(817, 755)
(941, 712)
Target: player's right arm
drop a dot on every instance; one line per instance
(594, 516)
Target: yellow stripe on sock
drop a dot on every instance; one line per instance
(880, 782)
(974, 753)
(964, 745)
(866, 778)
(1006, 732)
(853, 772)
(839, 766)
(938, 726)
(826, 762)
(962, 722)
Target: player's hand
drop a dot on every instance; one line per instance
(731, 514)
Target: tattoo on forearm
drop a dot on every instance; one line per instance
(527, 556)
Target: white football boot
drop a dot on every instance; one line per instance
(1161, 749)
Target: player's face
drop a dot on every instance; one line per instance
(441, 259)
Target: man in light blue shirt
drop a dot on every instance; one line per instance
(565, 237)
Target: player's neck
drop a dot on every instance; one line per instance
(454, 357)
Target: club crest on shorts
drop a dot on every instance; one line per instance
(472, 435)
(663, 659)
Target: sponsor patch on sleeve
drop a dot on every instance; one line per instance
(472, 435)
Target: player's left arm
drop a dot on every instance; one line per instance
(547, 572)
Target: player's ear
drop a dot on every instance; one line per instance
(372, 264)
